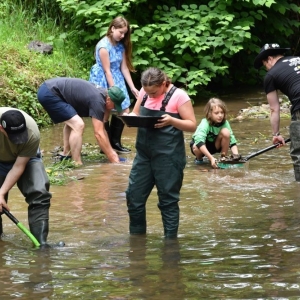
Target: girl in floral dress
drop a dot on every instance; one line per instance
(113, 66)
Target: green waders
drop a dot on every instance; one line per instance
(34, 185)
(159, 161)
(295, 147)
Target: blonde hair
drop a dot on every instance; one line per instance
(120, 22)
(213, 102)
(154, 77)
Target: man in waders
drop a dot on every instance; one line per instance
(21, 164)
(284, 75)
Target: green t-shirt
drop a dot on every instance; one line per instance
(9, 151)
(206, 132)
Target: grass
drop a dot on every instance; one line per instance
(60, 173)
(22, 71)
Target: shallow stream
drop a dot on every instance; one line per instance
(238, 237)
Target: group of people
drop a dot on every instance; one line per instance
(160, 151)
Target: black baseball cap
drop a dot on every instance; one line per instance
(14, 123)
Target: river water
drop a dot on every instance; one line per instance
(238, 237)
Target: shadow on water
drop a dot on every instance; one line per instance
(238, 235)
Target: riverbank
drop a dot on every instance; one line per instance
(263, 111)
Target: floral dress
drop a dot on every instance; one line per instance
(97, 74)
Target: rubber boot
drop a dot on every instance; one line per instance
(34, 185)
(107, 129)
(2, 178)
(116, 129)
(40, 231)
(137, 224)
(170, 218)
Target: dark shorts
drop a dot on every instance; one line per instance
(58, 110)
(209, 145)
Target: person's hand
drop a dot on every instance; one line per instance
(113, 157)
(132, 114)
(135, 92)
(165, 121)
(278, 139)
(213, 163)
(3, 203)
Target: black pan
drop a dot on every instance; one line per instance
(140, 121)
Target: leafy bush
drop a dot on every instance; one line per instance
(200, 44)
(196, 42)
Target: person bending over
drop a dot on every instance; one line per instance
(68, 100)
(21, 164)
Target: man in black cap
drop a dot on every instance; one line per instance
(21, 163)
(68, 100)
(284, 75)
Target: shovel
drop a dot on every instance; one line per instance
(21, 226)
(230, 163)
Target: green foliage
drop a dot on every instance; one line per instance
(22, 71)
(191, 44)
(200, 44)
(60, 173)
(197, 42)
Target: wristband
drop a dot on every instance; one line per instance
(276, 134)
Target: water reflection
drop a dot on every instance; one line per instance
(238, 234)
(154, 268)
(25, 274)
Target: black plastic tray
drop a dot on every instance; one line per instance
(140, 121)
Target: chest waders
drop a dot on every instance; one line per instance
(34, 185)
(2, 178)
(159, 162)
(295, 146)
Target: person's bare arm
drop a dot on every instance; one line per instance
(206, 153)
(104, 57)
(103, 141)
(274, 103)
(12, 177)
(126, 73)
(136, 108)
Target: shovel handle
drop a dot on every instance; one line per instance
(22, 227)
(10, 216)
(265, 150)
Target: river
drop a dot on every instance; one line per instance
(238, 235)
